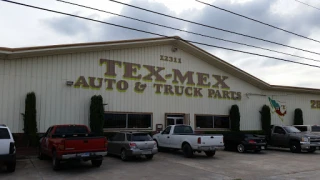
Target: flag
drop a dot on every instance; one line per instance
(278, 107)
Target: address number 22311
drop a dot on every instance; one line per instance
(170, 59)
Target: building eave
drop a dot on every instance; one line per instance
(14, 53)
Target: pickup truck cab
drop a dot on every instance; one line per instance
(72, 142)
(7, 149)
(314, 129)
(182, 137)
(291, 137)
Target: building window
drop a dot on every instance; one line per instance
(212, 121)
(128, 120)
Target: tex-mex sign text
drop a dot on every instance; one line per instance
(190, 84)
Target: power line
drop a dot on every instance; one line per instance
(212, 27)
(134, 29)
(258, 21)
(308, 5)
(190, 32)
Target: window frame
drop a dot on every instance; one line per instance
(278, 127)
(127, 113)
(213, 128)
(169, 127)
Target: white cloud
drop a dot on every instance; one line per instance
(22, 26)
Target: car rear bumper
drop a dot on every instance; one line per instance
(307, 145)
(138, 152)
(85, 156)
(7, 158)
(208, 148)
(255, 146)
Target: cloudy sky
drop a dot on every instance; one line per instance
(22, 26)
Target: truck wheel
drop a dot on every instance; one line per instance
(240, 148)
(40, 155)
(210, 153)
(159, 148)
(312, 149)
(123, 155)
(11, 167)
(96, 163)
(295, 147)
(55, 161)
(187, 151)
(149, 156)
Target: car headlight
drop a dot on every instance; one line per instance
(305, 139)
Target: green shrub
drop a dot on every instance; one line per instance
(265, 118)
(235, 118)
(298, 117)
(97, 115)
(29, 119)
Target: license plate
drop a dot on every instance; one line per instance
(262, 147)
(146, 152)
(85, 154)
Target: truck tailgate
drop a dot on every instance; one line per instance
(84, 144)
(212, 140)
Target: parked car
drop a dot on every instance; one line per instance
(182, 137)
(7, 149)
(131, 144)
(314, 129)
(243, 142)
(72, 142)
(293, 138)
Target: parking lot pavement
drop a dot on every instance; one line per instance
(269, 165)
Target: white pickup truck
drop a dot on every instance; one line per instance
(314, 129)
(182, 137)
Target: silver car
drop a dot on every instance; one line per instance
(132, 144)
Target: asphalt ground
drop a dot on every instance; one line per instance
(268, 164)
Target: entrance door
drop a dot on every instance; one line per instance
(174, 119)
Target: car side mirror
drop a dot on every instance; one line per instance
(161, 132)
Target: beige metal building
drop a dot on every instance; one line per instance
(145, 84)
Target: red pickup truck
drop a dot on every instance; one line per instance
(72, 142)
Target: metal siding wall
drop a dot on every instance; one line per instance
(293, 101)
(61, 104)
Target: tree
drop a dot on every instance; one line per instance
(235, 118)
(265, 119)
(29, 119)
(97, 114)
(298, 117)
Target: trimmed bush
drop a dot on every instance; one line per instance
(265, 119)
(29, 119)
(96, 115)
(298, 117)
(235, 118)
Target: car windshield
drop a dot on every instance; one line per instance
(315, 128)
(183, 130)
(139, 137)
(4, 133)
(71, 130)
(291, 129)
